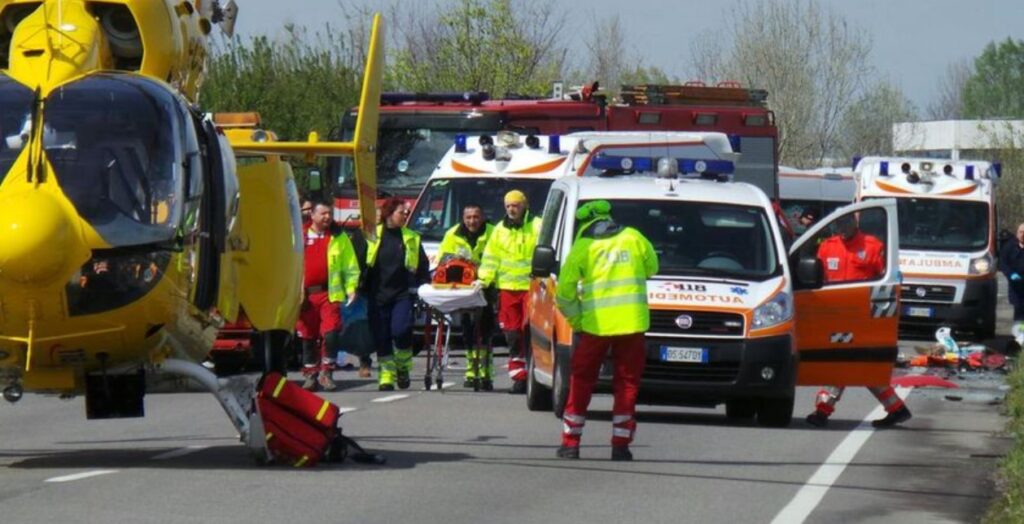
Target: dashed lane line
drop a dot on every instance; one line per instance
(389, 398)
(810, 495)
(80, 476)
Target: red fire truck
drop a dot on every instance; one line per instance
(417, 129)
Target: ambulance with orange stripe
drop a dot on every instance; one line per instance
(736, 317)
(947, 239)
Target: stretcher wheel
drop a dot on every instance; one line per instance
(426, 382)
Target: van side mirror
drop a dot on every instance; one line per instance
(809, 273)
(543, 263)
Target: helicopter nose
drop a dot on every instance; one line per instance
(35, 236)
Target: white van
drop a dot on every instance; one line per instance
(819, 191)
(736, 318)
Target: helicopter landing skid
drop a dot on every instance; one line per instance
(235, 394)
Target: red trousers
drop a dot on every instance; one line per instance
(512, 320)
(628, 357)
(319, 316)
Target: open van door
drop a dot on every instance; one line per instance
(846, 296)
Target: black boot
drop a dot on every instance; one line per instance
(403, 379)
(568, 452)
(621, 453)
(518, 388)
(896, 417)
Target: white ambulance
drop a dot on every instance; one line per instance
(736, 317)
(481, 169)
(947, 239)
(819, 191)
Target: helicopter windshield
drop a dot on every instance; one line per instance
(15, 115)
(115, 144)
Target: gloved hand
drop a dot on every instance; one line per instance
(477, 285)
(1015, 277)
(352, 299)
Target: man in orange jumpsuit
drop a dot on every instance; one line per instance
(851, 256)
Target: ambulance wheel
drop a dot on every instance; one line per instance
(560, 383)
(740, 409)
(775, 412)
(538, 396)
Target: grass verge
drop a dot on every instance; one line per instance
(1008, 507)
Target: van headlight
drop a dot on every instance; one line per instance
(981, 265)
(776, 310)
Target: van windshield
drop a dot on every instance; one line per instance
(440, 205)
(700, 238)
(933, 224)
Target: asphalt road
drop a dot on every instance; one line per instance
(464, 457)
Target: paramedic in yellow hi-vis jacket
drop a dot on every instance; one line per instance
(506, 265)
(468, 241)
(602, 292)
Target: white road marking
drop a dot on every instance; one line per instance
(345, 409)
(447, 385)
(178, 452)
(814, 490)
(83, 475)
(390, 398)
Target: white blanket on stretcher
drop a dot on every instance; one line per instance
(450, 300)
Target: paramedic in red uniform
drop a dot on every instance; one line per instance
(319, 319)
(851, 256)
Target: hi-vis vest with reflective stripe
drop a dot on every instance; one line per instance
(342, 268)
(455, 244)
(411, 241)
(508, 255)
(602, 288)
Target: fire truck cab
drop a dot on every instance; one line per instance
(947, 238)
(736, 318)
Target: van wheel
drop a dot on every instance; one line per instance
(560, 383)
(740, 409)
(538, 396)
(775, 412)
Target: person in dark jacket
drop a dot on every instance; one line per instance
(397, 265)
(1011, 263)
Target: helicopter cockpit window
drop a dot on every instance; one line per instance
(115, 144)
(15, 121)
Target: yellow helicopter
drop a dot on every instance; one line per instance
(128, 231)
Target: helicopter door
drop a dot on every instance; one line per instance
(206, 176)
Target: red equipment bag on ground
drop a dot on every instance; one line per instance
(301, 429)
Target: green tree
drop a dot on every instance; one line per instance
(300, 84)
(866, 127)
(498, 46)
(996, 89)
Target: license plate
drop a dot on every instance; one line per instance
(918, 312)
(678, 354)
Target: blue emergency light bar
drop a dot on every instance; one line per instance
(969, 172)
(883, 168)
(997, 168)
(460, 143)
(471, 97)
(645, 164)
(555, 145)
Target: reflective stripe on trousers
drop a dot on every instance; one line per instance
(828, 396)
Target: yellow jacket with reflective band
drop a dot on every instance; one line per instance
(509, 252)
(342, 268)
(457, 245)
(410, 239)
(602, 287)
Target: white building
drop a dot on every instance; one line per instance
(956, 139)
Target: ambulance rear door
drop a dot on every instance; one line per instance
(846, 325)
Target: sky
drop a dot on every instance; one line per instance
(912, 41)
